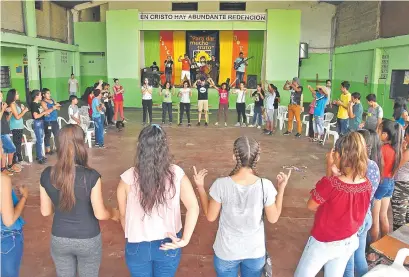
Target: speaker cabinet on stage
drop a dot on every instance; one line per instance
(252, 81)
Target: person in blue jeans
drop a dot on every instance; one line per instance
(12, 239)
(241, 199)
(97, 117)
(258, 97)
(321, 96)
(38, 114)
(149, 207)
(50, 121)
(357, 264)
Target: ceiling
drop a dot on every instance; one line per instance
(69, 4)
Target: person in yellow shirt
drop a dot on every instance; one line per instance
(342, 117)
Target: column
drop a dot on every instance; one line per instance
(282, 47)
(376, 74)
(122, 27)
(30, 22)
(77, 69)
(32, 56)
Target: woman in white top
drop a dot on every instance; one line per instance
(147, 100)
(241, 199)
(185, 93)
(149, 205)
(241, 105)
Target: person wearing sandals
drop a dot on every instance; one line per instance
(241, 197)
(321, 95)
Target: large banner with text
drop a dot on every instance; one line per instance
(202, 44)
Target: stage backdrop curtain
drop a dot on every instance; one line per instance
(166, 49)
(179, 49)
(152, 47)
(255, 48)
(226, 50)
(240, 44)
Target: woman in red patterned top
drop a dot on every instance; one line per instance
(118, 100)
(340, 203)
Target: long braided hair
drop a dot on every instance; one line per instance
(247, 153)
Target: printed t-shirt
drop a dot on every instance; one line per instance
(224, 96)
(202, 92)
(258, 102)
(372, 117)
(185, 97)
(321, 101)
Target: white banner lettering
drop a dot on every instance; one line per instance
(259, 17)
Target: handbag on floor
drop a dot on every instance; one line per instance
(268, 266)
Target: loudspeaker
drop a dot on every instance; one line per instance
(252, 81)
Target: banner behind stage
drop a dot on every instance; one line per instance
(202, 43)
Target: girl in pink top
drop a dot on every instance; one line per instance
(149, 195)
(118, 100)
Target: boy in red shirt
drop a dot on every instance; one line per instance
(185, 68)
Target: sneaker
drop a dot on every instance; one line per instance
(180, 124)
(270, 133)
(6, 171)
(237, 124)
(24, 163)
(43, 158)
(287, 133)
(206, 124)
(217, 123)
(163, 123)
(42, 161)
(258, 127)
(321, 142)
(14, 168)
(251, 126)
(189, 125)
(298, 135)
(243, 125)
(170, 123)
(225, 124)
(49, 152)
(198, 124)
(101, 146)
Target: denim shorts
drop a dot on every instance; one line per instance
(385, 189)
(8, 145)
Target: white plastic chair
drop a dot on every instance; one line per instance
(28, 148)
(83, 111)
(396, 269)
(60, 120)
(327, 128)
(306, 122)
(250, 108)
(29, 127)
(281, 114)
(89, 128)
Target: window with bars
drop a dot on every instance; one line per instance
(5, 77)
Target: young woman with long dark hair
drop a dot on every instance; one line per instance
(107, 98)
(38, 115)
(390, 133)
(12, 239)
(341, 203)
(258, 97)
(166, 93)
(147, 101)
(149, 196)
(185, 93)
(50, 120)
(241, 199)
(72, 191)
(118, 100)
(16, 122)
(400, 111)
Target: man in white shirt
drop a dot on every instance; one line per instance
(72, 85)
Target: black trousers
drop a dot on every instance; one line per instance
(51, 127)
(109, 111)
(147, 108)
(311, 126)
(241, 112)
(17, 140)
(167, 108)
(183, 107)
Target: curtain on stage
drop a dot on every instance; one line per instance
(226, 50)
(152, 47)
(166, 49)
(179, 49)
(256, 49)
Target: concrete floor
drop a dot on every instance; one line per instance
(209, 148)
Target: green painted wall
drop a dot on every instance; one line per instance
(13, 57)
(315, 64)
(283, 40)
(353, 62)
(90, 36)
(93, 68)
(123, 52)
